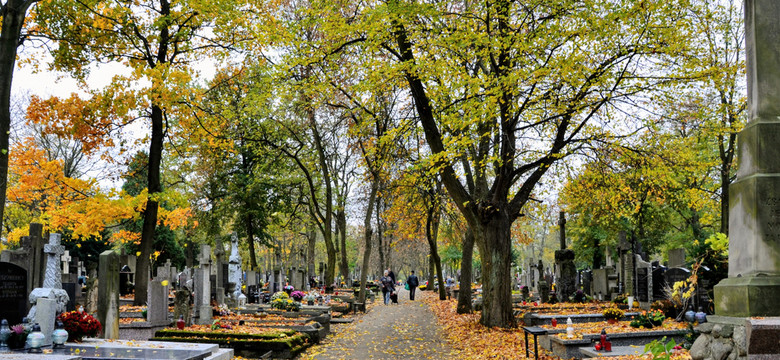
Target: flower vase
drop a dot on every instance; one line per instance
(612, 321)
(310, 302)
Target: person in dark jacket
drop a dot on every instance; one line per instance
(388, 286)
(413, 282)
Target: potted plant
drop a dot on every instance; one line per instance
(310, 297)
(80, 325)
(18, 337)
(297, 295)
(612, 314)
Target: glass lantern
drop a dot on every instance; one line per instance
(35, 339)
(59, 336)
(5, 332)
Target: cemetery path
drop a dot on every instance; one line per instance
(407, 330)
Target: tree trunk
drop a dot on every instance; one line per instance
(495, 246)
(464, 296)
(150, 213)
(432, 235)
(250, 238)
(367, 232)
(311, 242)
(431, 269)
(342, 225)
(380, 240)
(725, 180)
(13, 12)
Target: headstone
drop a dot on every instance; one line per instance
(567, 274)
(586, 277)
(659, 282)
(251, 278)
(52, 282)
(608, 261)
(65, 258)
(13, 292)
(644, 281)
(126, 280)
(676, 258)
(108, 294)
(673, 275)
(181, 305)
(753, 285)
(74, 292)
(234, 271)
(38, 260)
(157, 303)
(600, 283)
(203, 286)
(45, 317)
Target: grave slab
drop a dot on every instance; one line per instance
(616, 351)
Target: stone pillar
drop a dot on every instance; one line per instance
(108, 294)
(235, 274)
(753, 285)
(203, 286)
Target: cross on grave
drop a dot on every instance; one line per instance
(54, 251)
(65, 258)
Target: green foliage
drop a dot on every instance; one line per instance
(660, 350)
(648, 319)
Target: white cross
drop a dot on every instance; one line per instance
(65, 258)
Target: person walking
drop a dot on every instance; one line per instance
(391, 274)
(388, 286)
(412, 282)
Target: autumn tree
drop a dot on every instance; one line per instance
(504, 91)
(13, 14)
(158, 41)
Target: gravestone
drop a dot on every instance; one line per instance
(181, 306)
(46, 315)
(753, 285)
(13, 292)
(673, 275)
(600, 283)
(108, 294)
(185, 279)
(587, 282)
(564, 259)
(203, 286)
(234, 272)
(659, 281)
(74, 291)
(676, 258)
(52, 282)
(644, 281)
(157, 303)
(126, 281)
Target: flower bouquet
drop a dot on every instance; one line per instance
(612, 314)
(18, 337)
(297, 295)
(288, 289)
(80, 325)
(310, 297)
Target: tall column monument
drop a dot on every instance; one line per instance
(753, 285)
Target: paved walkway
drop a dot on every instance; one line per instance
(405, 331)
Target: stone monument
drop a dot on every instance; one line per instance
(235, 274)
(202, 286)
(564, 261)
(753, 285)
(108, 294)
(52, 282)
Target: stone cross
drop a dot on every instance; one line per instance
(66, 262)
(202, 286)
(53, 250)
